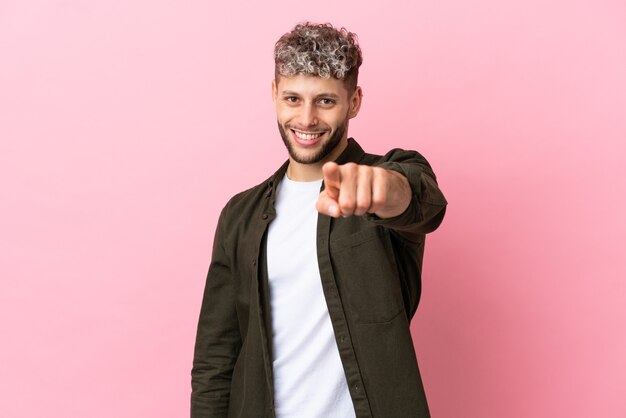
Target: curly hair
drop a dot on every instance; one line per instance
(321, 50)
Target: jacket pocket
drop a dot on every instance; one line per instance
(367, 275)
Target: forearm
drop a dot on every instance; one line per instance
(427, 205)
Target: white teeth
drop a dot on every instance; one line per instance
(307, 137)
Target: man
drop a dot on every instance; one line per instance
(316, 272)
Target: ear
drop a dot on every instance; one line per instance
(355, 102)
(274, 92)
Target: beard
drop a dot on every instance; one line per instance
(326, 148)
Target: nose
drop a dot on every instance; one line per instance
(308, 117)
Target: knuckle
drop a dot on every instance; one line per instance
(379, 199)
(363, 202)
(347, 203)
(350, 168)
(362, 207)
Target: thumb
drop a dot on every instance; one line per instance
(326, 205)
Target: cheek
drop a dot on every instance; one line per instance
(338, 119)
(284, 115)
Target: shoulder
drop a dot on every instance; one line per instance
(397, 155)
(244, 200)
(247, 202)
(409, 163)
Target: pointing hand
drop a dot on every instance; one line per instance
(353, 189)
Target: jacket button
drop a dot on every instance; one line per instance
(264, 216)
(254, 261)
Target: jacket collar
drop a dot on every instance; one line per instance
(352, 153)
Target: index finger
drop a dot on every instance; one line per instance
(332, 179)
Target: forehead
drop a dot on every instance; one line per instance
(311, 85)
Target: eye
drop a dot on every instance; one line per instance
(291, 99)
(326, 101)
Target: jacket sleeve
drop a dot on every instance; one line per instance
(428, 204)
(218, 340)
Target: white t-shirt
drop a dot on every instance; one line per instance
(309, 380)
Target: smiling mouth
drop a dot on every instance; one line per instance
(307, 136)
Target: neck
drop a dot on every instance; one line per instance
(310, 172)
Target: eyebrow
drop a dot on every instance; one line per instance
(293, 93)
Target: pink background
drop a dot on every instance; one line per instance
(126, 125)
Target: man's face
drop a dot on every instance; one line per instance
(313, 114)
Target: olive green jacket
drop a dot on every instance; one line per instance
(371, 278)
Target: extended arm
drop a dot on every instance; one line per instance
(400, 192)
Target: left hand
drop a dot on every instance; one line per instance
(353, 189)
